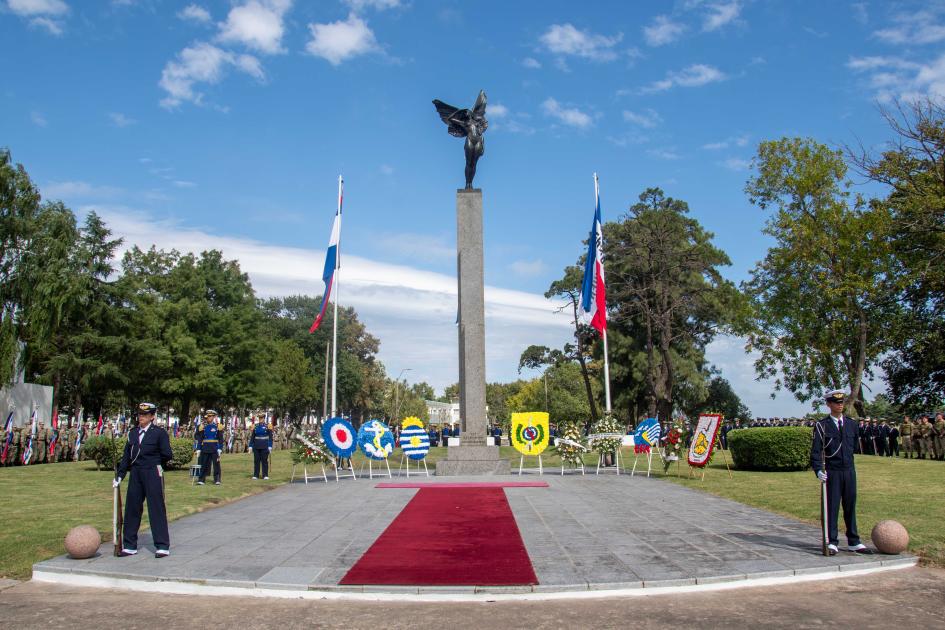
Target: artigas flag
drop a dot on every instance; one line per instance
(332, 259)
(593, 292)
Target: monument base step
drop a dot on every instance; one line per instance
(472, 460)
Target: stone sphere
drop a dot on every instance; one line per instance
(890, 537)
(82, 542)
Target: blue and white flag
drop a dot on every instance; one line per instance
(648, 432)
(414, 441)
(332, 259)
(593, 289)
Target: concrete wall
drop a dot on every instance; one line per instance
(22, 397)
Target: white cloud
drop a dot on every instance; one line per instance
(696, 75)
(201, 63)
(379, 5)
(412, 312)
(894, 77)
(647, 119)
(28, 8)
(735, 164)
(531, 63)
(497, 110)
(565, 39)
(721, 14)
(734, 141)
(920, 27)
(257, 24)
(194, 13)
(46, 14)
(387, 169)
(120, 120)
(528, 268)
(570, 116)
(860, 12)
(663, 31)
(668, 153)
(71, 190)
(181, 183)
(339, 41)
(38, 119)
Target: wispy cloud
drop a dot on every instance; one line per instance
(528, 268)
(567, 40)
(570, 116)
(696, 75)
(386, 169)
(120, 120)
(733, 141)
(38, 119)
(339, 41)
(46, 14)
(378, 5)
(201, 63)
(256, 24)
(735, 164)
(531, 63)
(720, 14)
(917, 27)
(647, 119)
(194, 13)
(78, 191)
(665, 153)
(894, 77)
(663, 31)
(183, 183)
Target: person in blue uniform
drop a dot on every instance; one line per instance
(831, 457)
(147, 452)
(445, 434)
(497, 434)
(434, 436)
(210, 447)
(261, 443)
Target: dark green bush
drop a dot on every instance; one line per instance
(771, 448)
(105, 452)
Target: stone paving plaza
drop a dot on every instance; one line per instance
(582, 533)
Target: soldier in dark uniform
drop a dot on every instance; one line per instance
(147, 452)
(445, 434)
(434, 437)
(261, 443)
(210, 447)
(831, 457)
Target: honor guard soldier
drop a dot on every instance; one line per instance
(434, 436)
(210, 447)
(147, 452)
(831, 457)
(261, 442)
(905, 434)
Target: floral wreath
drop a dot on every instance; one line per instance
(610, 435)
(569, 445)
(310, 450)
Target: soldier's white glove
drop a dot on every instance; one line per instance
(270, 449)
(822, 475)
(219, 453)
(116, 483)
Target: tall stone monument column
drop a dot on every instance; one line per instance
(473, 456)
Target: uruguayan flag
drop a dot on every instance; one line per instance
(415, 442)
(648, 432)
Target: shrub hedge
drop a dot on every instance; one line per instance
(105, 451)
(771, 448)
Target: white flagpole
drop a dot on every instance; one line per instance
(606, 359)
(335, 286)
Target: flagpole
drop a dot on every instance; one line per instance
(606, 359)
(336, 283)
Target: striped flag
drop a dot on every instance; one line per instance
(593, 290)
(28, 453)
(8, 427)
(80, 430)
(332, 259)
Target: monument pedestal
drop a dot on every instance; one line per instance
(472, 456)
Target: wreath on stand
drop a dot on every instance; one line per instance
(609, 435)
(569, 445)
(672, 446)
(311, 450)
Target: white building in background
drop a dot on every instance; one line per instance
(443, 413)
(22, 398)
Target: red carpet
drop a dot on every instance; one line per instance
(448, 537)
(468, 484)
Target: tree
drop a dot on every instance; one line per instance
(913, 167)
(567, 402)
(825, 293)
(19, 207)
(721, 398)
(665, 289)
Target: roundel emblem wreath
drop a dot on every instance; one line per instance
(339, 437)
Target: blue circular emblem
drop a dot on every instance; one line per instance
(375, 439)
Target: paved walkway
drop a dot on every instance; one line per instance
(581, 533)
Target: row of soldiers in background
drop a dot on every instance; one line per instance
(922, 439)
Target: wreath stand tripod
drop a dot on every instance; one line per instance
(521, 462)
(349, 468)
(600, 459)
(406, 460)
(305, 473)
(718, 445)
(370, 464)
(649, 460)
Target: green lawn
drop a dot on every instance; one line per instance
(909, 491)
(42, 503)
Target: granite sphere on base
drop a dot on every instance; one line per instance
(890, 537)
(83, 542)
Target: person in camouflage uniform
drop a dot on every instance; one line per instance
(920, 436)
(939, 436)
(239, 440)
(11, 450)
(905, 435)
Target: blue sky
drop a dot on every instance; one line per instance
(226, 124)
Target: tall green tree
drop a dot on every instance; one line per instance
(912, 166)
(825, 294)
(666, 293)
